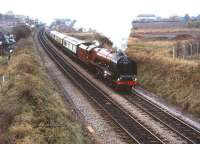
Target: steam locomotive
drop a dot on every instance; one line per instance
(113, 66)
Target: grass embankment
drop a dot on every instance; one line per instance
(177, 81)
(158, 48)
(3, 60)
(31, 111)
(157, 31)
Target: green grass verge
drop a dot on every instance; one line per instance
(31, 111)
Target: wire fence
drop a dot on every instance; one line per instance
(187, 49)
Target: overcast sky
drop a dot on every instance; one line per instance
(103, 15)
(93, 9)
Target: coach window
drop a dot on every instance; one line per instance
(70, 46)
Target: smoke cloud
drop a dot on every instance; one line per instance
(118, 31)
(112, 21)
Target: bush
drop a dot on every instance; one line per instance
(21, 31)
(194, 24)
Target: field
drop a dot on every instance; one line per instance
(156, 48)
(176, 80)
(31, 109)
(157, 31)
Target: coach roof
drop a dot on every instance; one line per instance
(73, 40)
(60, 35)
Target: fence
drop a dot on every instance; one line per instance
(187, 49)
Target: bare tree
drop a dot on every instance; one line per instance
(21, 31)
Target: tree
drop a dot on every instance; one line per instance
(198, 17)
(21, 31)
(186, 18)
(9, 15)
(80, 30)
(174, 18)
(1, 16)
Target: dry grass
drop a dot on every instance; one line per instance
(178, 81)
(165, 30)
(3, 60)
(3, 67)
(158, 50)
(31, 111)
(155, 48)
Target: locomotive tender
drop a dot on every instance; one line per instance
(112, 66)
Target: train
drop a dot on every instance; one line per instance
(110, 65)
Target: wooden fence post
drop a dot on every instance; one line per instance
(191, 52)
(174, 51)
(198, 48)
(184, 51)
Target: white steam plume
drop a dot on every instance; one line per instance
(117, 30)
(110, 19)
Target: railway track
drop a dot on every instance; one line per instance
(136, 131)
(184, 130)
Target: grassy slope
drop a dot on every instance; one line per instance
(165, 30)
(31, 111)
(177, 81)
(151, 47)
(3, 62)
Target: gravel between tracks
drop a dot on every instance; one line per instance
(103, 132)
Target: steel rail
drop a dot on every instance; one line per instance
(181, 128)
